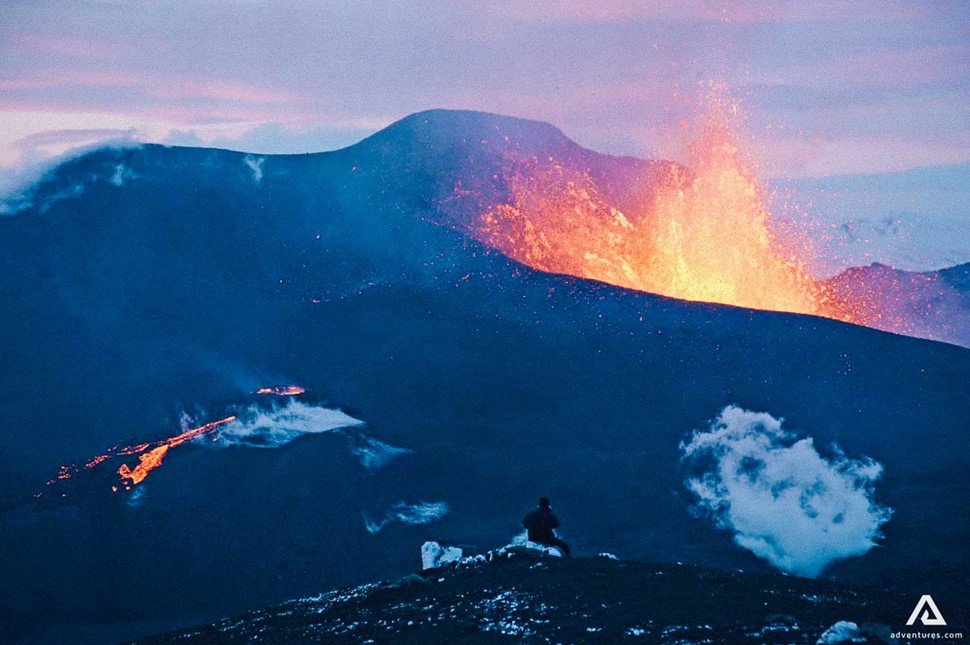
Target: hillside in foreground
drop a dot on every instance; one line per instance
(522, 597)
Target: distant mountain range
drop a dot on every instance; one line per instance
(145, 283)
(908, 219)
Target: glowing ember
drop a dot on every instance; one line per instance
(97, 460)
(282, 390)
(703, 235)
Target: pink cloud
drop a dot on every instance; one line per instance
(37, 43)
(26, 84)
(739, 11)
(166, 97)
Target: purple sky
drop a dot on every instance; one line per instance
(828, 87)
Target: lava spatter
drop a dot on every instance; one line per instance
(704, 235)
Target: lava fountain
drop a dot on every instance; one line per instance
(704, 235)
(709, 238)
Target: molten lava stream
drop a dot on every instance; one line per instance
(146, 463)
(152, 459)
(150, 456)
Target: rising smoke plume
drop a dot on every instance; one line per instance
(784, 501)
(260, 427)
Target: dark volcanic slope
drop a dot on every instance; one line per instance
(590, 600)
(150, 281)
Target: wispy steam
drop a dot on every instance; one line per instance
(137, 498)
(374, 454)
(18, 184)
(121, 175)
(271, 428)
(784, 501)
(420, 513)
(255, 164)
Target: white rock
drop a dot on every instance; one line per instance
(433, 555)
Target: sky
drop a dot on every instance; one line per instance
(827, 87)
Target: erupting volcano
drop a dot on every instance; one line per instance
(708, 236)
(703, 235)
(461, 365)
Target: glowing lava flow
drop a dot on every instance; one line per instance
(152, 454)
(282, 390)
(704, 235)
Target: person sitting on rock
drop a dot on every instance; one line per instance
(540, 523)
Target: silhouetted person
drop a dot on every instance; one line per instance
(540, 523)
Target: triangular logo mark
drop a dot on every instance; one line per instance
(931, 609)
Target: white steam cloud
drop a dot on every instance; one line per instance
(271, 428)
(784, 501)
(420, 513)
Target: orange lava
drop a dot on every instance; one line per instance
(704, 235)
(710, 239)
(97, 460)
(152, 458)
(282, 390)
(146, 463)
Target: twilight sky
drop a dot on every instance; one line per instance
(828, 86)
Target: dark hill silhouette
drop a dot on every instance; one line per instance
(584, 600)
(143, 282)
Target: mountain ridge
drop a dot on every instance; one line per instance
(467, 158)
(188, 278)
